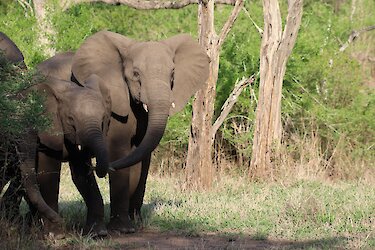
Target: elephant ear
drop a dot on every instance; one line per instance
(191, 68)
(53, 137)
(96, 83)
(100, 54)
(59, 66)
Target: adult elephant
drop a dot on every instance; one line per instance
(17, 158)
(148, 81)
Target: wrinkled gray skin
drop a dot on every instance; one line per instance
(19, 168)
(162, 75)
(80, 117)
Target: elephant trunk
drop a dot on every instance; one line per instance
(29, 179)
(157, 120)
(93, 139)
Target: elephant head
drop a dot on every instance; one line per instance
(160, 75)
(80, 115)
(11, 51)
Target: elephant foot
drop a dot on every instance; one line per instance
(121, 225)
(53, 230)
(136, 218)
(96, 230)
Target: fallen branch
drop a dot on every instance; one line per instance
(144, 5)
(229, 103)
(353, 35)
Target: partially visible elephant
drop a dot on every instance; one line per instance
(17, 158)
(147, 81)
(80, 120)
(10, 51)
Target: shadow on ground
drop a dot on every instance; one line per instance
(185, 234)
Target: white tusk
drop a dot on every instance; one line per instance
(79, 147)
(173, 105)
(145, 107)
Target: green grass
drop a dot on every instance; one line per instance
(307, 214)
(328, 214)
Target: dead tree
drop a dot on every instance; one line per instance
(275, 49)
(199, 160)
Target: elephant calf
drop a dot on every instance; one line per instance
(79, 124)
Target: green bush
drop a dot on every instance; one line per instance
(19, 110)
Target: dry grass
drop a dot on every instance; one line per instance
(306, 203)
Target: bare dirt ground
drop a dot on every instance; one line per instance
(151, 239)
(157, 240)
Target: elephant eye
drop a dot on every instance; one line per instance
(136, 74)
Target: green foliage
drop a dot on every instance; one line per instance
(21, 27)
(19, 110)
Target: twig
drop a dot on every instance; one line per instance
(260, 31)
(230, 21)
(229, 103)
(26, 6)
(353, 35)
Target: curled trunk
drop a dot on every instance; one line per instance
(157, 120)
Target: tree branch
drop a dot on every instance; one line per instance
(293, 22)
(229, 103)
(353, 35)
(229, 23)
(26, 6)
(260, 31)
(144, 5)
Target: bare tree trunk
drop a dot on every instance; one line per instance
(46, 30)
(199, 160)
(198, 164)
(275, 49)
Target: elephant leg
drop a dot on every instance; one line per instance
(136, 200)
(119, 194)
(86, 184)
(48, 172)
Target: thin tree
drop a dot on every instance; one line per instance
(199, 159)
(275, 49)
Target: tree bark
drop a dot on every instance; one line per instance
(276, 47)
(199, 166)
(45, 27)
